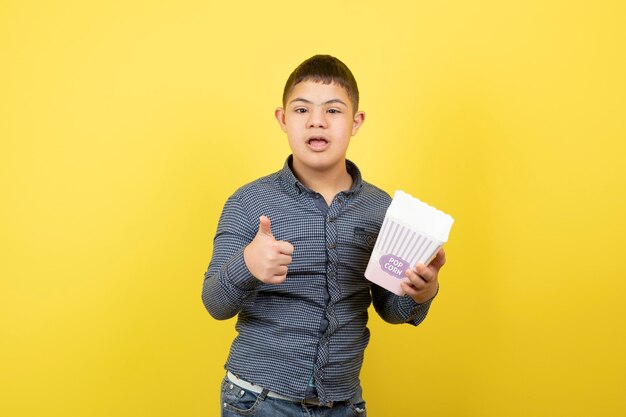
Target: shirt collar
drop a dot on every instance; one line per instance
(293, 184)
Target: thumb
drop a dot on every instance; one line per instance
(265, 226)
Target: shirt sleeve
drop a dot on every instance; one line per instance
(396, 309)
(228, 283)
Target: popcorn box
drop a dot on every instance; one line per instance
(412, 232)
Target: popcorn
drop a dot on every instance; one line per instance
(412, 232)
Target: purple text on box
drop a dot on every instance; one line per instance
(393, 265)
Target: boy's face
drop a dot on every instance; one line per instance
(319, 121)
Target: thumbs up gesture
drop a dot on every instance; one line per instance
(267, 258)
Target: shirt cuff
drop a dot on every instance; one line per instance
(417, 312)
(238, 274)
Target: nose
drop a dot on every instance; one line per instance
(317, 118)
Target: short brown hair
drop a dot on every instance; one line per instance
(324, 69)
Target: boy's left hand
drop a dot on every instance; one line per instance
(421, 283)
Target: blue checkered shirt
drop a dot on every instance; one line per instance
(314, 324)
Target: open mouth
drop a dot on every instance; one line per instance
(317, 141)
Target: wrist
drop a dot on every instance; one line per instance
(427, 297)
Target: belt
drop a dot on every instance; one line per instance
(258, 390)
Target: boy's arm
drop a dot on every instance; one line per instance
(228, 282)
(395, 309)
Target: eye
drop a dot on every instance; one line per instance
(333, 111)
(300, 110)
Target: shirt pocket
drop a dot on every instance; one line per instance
(356, 242)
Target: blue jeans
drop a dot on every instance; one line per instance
(237, 402)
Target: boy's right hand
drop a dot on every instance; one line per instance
(267, 258)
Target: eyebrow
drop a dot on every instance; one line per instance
(331, 101)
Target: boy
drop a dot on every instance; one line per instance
(289, 256)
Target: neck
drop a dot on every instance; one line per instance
(327, 182)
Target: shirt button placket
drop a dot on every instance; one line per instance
(330, 323)
(333, 260)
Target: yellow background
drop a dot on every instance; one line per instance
(124, 126)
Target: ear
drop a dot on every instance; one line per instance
(279, 113)
(358, 120)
